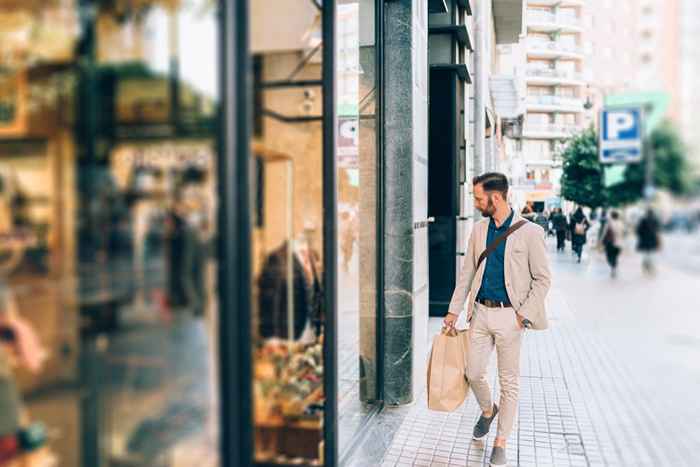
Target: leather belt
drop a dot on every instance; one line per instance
(493, 303)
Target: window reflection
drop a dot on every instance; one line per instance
(356, 152)
(107, 220)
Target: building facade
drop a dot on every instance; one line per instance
(689, 14)
(235, 215)
(551, 69)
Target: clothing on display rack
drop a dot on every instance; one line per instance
(307, 293)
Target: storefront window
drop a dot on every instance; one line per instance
(288, 313)
(356, 153)
(107, 224)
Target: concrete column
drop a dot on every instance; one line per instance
(406, 167)
(482, 12)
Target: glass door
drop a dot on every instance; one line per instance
(357, 220)
(292, 325)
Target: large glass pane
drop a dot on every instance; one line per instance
(356, 152)
(287, 151)
(107, 219)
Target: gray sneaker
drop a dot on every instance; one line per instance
(482, 427)
(498, 457)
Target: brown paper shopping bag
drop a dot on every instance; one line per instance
(447, 382)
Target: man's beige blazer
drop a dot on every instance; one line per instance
(526, 271)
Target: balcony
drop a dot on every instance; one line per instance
(553, 50)
(544, 21)
(550, 130)
(554, 103)
(553, 76)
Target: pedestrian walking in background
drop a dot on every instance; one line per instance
(579, 230)
(612, 240)
(648, 241)
(603, 222)
(560, 225)
(528, 213)
(506, 277)
(542, 221)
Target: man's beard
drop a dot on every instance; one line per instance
(489, 210)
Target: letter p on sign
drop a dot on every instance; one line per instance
(620, 125)
(619, 122)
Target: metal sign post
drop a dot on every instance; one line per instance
(622, 142)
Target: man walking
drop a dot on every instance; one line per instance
(506, 277)
(560, 226)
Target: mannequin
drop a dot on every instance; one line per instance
(306, 292)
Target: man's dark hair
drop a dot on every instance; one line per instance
(493, 182)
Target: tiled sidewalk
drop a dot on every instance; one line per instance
(551, 428)
(585, 399)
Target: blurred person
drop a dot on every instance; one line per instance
(541, 220)
(612, 240)
(560, 225)
(348, 237)
(579, 230)
(527, 212)
(602, 222)
(506, 290)
(648, 241)
(184, 264)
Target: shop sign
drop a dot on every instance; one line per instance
(169, 156)
(347, 142)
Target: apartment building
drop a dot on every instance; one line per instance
(690, 67)
(550, 65)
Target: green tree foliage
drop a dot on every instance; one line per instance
(583, 181)
(671, 169)
(582, 177)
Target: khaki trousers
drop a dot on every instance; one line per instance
(499, 327)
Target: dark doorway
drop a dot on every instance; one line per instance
(443, 187)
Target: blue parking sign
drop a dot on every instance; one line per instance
(620, 135)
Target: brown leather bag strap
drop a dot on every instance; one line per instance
(498, 240)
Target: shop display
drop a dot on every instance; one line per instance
(13, 103)
(289, 400)
(25, 221)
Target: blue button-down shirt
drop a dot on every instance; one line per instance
(493, 286)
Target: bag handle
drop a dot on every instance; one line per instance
(500, 239)
(449, 331)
